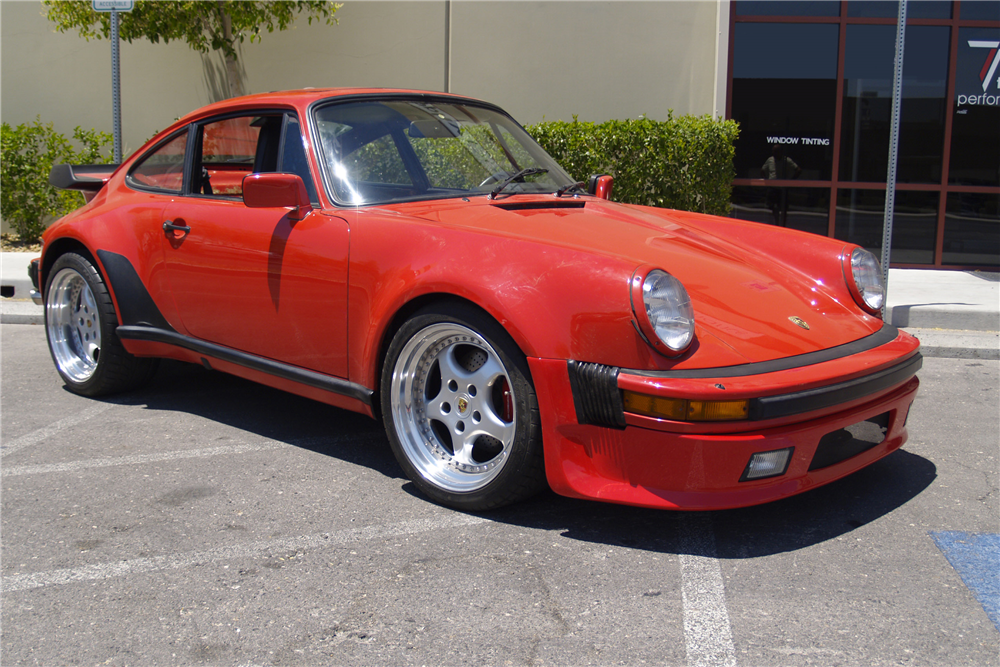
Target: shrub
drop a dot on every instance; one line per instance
(27, 153)
(683, 163)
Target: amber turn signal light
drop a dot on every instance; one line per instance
(682, 409)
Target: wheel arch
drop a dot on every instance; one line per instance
(58, 248)
(406, 311)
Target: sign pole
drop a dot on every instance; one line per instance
(115, 6)
(116, 91)
(890, 186)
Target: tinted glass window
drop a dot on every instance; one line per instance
(982, 10)
(784, 96)
(924, 9)
(972, 229)
(163, 169)
(783, 8)
(868, 71)
(805, 209)
(861, 215)
(975, 134)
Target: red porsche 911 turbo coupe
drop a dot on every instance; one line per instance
(417, 257)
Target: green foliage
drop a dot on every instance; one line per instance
(27, 153)
(684, 163)
(205, 25)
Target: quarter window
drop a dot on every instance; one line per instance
(163, 169)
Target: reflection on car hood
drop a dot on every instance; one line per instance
(755, 309)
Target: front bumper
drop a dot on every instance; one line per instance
(604, 453)
(36, 294)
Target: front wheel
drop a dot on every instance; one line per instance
(80, 324)
(460, 410)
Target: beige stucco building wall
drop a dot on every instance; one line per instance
(551, 60)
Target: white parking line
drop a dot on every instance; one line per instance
(22, 582)
(707, 633)
(41, 434)
(136, 459)
(108, 462)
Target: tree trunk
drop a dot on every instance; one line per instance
(232, 65)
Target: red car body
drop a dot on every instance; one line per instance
(309, 296)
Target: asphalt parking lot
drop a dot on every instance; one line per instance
(208, 520)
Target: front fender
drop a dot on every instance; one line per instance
(555, 302)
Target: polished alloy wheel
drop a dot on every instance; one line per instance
(74, 325)
(453, 407)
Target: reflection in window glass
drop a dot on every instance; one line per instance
(163, 169)
(228, 150)
(972, 229)
(784, 94)
(975, 134)
(860, 220)
(293, 156)
(805, 209)
(787, 8)
(868, 72)
(982, 10)
(925, 9)
(405, 149)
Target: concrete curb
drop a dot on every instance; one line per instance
(950, 344)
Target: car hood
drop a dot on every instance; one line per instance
(750, 305)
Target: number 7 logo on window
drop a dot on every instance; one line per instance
(990, 66)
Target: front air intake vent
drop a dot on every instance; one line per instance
(538, 205)
(595, 394)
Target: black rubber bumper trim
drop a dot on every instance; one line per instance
(771, 407)
(269, 366)
(884, 335)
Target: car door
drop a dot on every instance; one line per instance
(252, 279)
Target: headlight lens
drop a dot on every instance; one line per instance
(667, 310)
(868, 279)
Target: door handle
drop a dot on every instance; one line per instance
(169, 227)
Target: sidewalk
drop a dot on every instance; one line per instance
(953, 313)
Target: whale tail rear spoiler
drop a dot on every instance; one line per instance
(87, 178)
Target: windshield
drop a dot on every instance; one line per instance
(376, 152)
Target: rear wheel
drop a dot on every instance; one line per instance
(80, 324)
(460, 410)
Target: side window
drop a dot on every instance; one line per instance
(229, 149)
(163, 169)
(293, 156)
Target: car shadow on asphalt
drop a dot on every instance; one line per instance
(794, 523)
(266, 413)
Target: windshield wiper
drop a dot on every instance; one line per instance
(516, 176)
(566, 188)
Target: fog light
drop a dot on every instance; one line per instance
(767, 464)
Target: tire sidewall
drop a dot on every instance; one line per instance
(107, 319)
(524, 456)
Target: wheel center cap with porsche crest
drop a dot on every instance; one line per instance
(799, 322)
(463, 405)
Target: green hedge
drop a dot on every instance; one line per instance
(684, 163)
(27, 153)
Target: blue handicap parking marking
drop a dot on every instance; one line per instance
(976, 558)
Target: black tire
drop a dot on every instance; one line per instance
(80, 323)
(456, 432)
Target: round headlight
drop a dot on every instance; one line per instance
(666, 311)
(868, 280)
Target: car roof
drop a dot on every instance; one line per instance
(302, 98)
